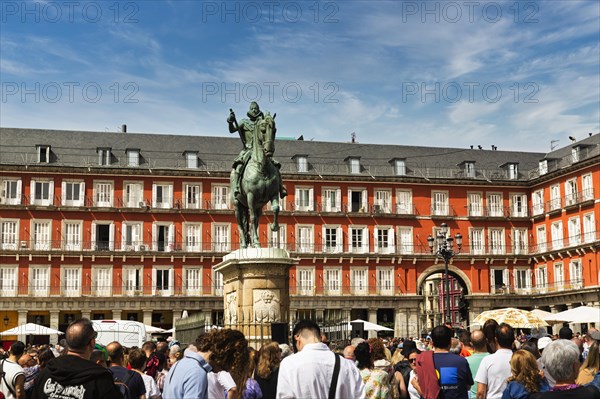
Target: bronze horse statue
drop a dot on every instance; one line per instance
(260, 184)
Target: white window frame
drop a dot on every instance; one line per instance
(537, 201)
(543, 167)
(385, 280)
(191, 160)
(332, 277)
(477, 240)
(495, 204)
(496, 241)
(133, 157)
(475, 203)
(404, 202)
(305, 238)
(70, 281)
(68, 187)
(165, 200)
(405, 237)
(278, 239)
(304, 198)
(220, 197)
(104, 156)
(559, 275)
(72, 235)
(38, 198)
(11, 193)
(169, 241)
(356, 234)
(133, 194)
(555, 202)
(302, 164)
(469, 169)
(192, 195)
(305, 280)
(574, 227)
(494, 286)
(354, 164)
(192, 237)
(359, 280)
(39, 280)
(382, 198)
(440, 205)
(104, 193)
(576, 274)
(332, 239)
(192, 279)
(102, 280)
(522, 280)
(589, 228)
(363, 204)
(575, 154)
(571, 193)
(8, 280)
(587, 187)
(513, 171)
(400, 167)
(542, 239)
(40, 240)
(519, 241)
(9, 234)
(221, 237)
(384, 239)
(133, 280)
(111, 234)
(518, 205)
(136, 242)
(331, 199)
(43, 153)
(164, 289)
(556, 231)
(217, 283)
(541, 279)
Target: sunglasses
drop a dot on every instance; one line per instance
(412, 360)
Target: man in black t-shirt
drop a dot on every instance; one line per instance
(133, 380)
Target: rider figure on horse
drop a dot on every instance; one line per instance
(246, 128)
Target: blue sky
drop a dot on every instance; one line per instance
(514, 74)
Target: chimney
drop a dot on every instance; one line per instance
(123, 128)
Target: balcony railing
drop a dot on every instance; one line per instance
(511, 289)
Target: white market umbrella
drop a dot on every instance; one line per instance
(517, 318)
(153, 330)
(31, 329)
(368, 326)
(581, 314)
(542, 314)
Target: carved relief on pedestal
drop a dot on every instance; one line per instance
(231, 308)
(266, 306)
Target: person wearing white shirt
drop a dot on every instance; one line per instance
(494, 369)
(309, 372)
(220, 385)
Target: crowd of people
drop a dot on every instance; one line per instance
(491, 363)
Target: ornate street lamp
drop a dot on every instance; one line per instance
(441, 246)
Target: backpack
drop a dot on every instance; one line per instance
(122, 386)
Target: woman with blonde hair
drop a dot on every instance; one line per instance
(267, 369)
(526, 378)
(590, 366)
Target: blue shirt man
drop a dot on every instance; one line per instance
(188, 378)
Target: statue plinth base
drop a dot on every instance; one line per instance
(256, 291)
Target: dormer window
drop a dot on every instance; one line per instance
(43, 152)
(354, 164)
(133, 157)
(575, 152)
(302, 163)
(512, 170)
(400, 167)
(543, 167)
(104, 156)
(191, 159)
(468, 168)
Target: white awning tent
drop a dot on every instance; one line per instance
(154, 330)
(31, 329)
(367, 326)
(581, 314)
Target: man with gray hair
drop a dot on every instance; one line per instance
(561, 358)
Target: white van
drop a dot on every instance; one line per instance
(128, 333)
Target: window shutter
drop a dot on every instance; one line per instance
(154, 237)
(124, 236)
(366, 238)
(364, 200)
(82, 193)
(93, 237)
(171, 243)
(154, 196)
(311, 199)
(63, 193)
(111, 237)
(51, 192)
(31, 191)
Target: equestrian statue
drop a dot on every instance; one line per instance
(255, 179)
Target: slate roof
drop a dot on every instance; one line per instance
(161, 151)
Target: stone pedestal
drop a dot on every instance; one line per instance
(256, 290)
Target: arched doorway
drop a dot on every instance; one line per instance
(431, 286)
